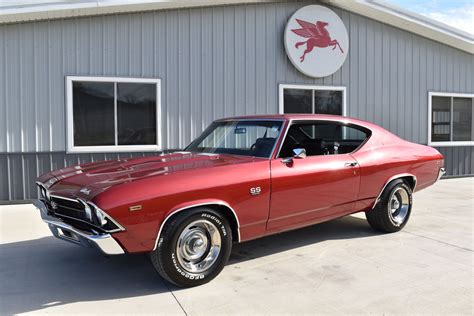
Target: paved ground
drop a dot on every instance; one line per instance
(336, 267)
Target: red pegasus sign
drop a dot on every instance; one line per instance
(317, 36)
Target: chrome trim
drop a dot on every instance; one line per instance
(398, 206)
(299, 153)
(192, 206)
(64, 198)
(44, 190)
(341, 121)
(120, 227)
(282, 119)
(87, 209)
(198, 246)
(401, 175)
(441, 172)
(84, 202)
(275, 154)
(61, 230)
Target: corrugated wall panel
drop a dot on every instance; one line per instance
(19, 171)
(213, 62)
(3, 101)
(458, 160)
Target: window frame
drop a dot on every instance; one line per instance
(283, 86)
(71, 148)
(364, 129)
(451, 143)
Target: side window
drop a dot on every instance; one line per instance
(323, 138)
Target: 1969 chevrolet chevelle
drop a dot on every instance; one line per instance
(243, 178)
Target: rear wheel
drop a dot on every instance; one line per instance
(193, 247)
(393, 210)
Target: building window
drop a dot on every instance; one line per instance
(312, 99)
(112, 114)
(451, 119)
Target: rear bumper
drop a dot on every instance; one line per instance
(104, 242)
(441, 173)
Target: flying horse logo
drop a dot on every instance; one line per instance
(317, 36)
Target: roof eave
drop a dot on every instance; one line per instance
(382, 11)
(378, 10)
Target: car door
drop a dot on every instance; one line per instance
(321, 186)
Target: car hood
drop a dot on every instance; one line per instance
(88, 180)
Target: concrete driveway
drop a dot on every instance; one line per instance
(336, 267)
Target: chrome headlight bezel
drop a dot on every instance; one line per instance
(104, 219)
(101, 217)
(44, 192)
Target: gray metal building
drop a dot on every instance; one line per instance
(207, 60)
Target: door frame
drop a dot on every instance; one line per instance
(283, 86)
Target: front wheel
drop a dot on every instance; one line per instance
(393, 209)
(193, 247)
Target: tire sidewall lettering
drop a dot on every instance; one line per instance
(216, 220)
(180, 270)
(184, 273)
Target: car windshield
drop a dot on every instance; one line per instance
(246, 138)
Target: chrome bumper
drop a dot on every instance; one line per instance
(441, 173)
(105, 242)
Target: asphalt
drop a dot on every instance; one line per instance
(336, 267)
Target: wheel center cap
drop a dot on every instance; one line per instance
(395, 204)
(198, 245)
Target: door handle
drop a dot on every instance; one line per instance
(350, 164)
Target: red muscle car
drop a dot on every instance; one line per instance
(243, 178)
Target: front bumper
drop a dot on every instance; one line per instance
(104, 242)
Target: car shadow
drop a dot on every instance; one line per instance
(37, 274)
(342, 228)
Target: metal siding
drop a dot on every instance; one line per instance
(459, 161)
(3, 101)
(213, 62)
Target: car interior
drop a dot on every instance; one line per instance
(323, 139)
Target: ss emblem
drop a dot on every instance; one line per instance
(255, 191)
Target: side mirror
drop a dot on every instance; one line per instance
(299, 153)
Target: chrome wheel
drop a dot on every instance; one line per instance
(399, 205)
(198, 246)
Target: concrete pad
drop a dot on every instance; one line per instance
(41, 274)
(336, 267)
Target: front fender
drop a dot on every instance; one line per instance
(192, 204)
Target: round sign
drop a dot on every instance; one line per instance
(316, 41)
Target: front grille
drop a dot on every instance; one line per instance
(73, 212)
(66, 207)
